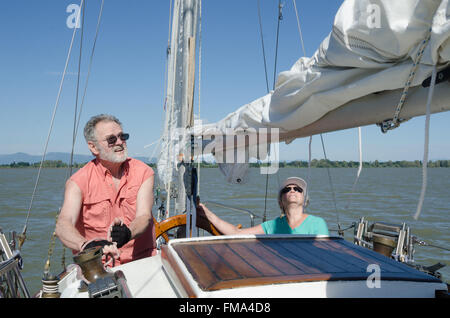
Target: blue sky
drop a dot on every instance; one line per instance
(127, 78)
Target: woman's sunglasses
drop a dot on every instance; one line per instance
(111, 140)
(287, 189)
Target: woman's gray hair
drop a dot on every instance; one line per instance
(89, 128)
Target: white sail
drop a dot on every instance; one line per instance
(358, 74)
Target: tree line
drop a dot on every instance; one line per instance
(315, 163)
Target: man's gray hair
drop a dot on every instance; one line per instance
(89, 129)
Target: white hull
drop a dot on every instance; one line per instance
(155, 277)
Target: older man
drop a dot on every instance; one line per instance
(109, 201)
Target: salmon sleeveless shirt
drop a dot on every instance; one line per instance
(102, 202)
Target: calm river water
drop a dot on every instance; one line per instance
(381, 194)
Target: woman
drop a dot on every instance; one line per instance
(293, 220)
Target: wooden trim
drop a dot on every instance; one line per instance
(174, 270)
(179, 220)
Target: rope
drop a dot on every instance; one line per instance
(331, 183)
(22, 237)
(426, 143)
(341, 231)
(359, 169)
(306, 198)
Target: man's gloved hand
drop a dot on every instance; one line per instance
(95, 243)
(120, 234)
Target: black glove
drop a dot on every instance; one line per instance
(101, 243)
(120, 234)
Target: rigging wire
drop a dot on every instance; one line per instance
(91, 58)
(262, 44)
(77, 121)
(279, 18)
(321, 137)
(22, 236)
(199, 90)
(168, 51)
(299, 28)
(306, 197)
(74, 133)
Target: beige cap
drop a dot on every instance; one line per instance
(292, 180)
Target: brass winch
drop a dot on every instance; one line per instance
(102, 284)
(90, 262)
(384, 244)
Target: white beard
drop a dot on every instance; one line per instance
(112, 156)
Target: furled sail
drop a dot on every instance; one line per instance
(358, 74)
(179, 101)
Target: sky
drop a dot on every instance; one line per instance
(128, 74)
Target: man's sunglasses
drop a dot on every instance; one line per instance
(111, 140)
(287, 189)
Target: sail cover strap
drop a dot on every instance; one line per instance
(425, 155)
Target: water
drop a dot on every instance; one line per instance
(382, 194)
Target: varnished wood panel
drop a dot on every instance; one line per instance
(229, 263)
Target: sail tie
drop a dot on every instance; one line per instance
(358, 173)
(426, 143)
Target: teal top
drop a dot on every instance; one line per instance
(312, 225)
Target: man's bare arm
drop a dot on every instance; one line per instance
(70, 211)
(144, 204)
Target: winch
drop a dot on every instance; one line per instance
(101, 283)
(391, 240)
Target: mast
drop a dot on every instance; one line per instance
(176, 143)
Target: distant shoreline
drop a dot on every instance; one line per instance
(322, 163)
